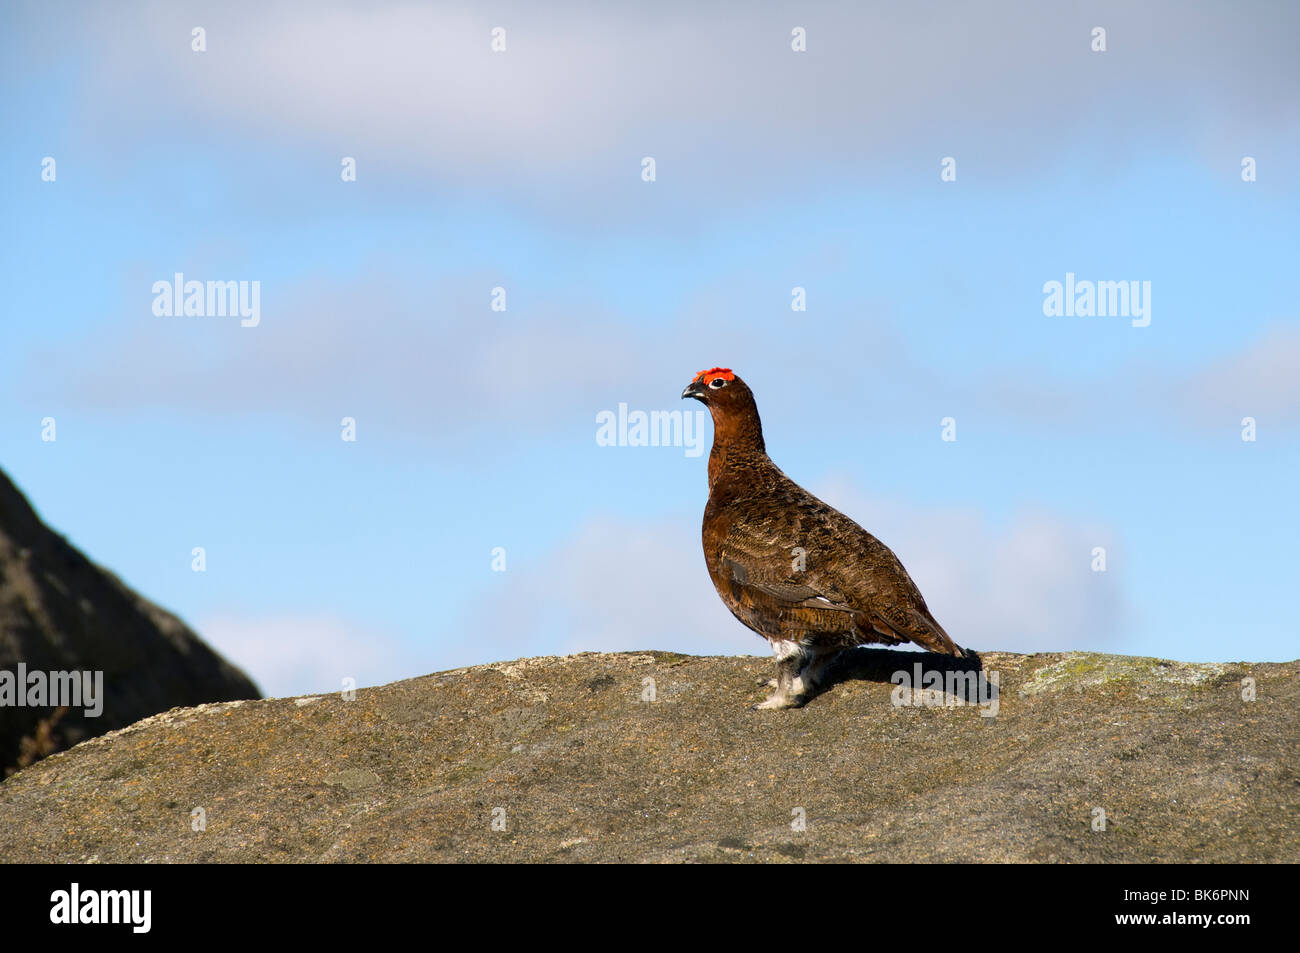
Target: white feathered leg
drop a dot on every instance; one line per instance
(791, 689)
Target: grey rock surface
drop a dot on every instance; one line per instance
(572, 763)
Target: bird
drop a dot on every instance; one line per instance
(792, 568)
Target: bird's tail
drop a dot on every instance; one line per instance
(921, 628)
(933, 638)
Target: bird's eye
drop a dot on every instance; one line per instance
(717, 382)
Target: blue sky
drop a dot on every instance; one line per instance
(775, 169)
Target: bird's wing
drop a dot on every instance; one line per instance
(852, 582)
(789, 594)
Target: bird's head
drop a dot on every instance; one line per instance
(718, 387)
(728, 398)
(731, 403)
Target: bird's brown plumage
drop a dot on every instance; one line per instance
(786, 564)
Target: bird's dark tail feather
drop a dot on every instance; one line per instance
(937, 640)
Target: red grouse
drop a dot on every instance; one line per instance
(796, 571)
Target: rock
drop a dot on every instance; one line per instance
(561, 759)
(60, 612)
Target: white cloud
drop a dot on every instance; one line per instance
(367, 348)
(1258, 378)
(308, 654)
(617, 585)
(714, 92)
(428, 359)
(1262, 380)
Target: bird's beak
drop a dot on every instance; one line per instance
(693, 389)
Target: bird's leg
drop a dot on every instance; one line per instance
(791, 691)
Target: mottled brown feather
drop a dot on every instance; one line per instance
(851, 589)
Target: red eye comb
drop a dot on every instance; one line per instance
(712, 372)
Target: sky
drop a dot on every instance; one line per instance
(922, 171)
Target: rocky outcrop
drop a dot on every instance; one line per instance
(656, 757)
(59, 612)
